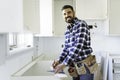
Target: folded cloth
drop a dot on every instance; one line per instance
(54, 71)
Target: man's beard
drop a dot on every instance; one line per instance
(69, 19)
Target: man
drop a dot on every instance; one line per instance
(77, 43)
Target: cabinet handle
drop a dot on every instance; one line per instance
(112, 60)
(113, 71)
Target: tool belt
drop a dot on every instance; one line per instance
(79, 69)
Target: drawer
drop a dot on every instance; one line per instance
(116, 70)
(116, 76)
(116, 60)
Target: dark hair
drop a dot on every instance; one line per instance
(67, 6)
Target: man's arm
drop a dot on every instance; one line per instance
(63, 55)
(61, 58)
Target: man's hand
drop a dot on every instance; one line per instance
(59, 68)
(55, 63)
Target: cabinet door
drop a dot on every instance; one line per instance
(114, 17)
(91, 9)
(11, 19)
(46, 17)
(31, 15)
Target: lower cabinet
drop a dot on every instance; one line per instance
(114, 68)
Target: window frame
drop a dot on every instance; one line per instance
(14, 42)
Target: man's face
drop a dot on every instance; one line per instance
(68, 15)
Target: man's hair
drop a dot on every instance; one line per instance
(67, 6)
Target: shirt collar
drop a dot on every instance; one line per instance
(70, 26)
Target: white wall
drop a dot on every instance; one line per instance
(50, 46)
(101, 41)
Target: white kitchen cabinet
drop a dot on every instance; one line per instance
(91, 9)
(46, 17)
(114, 67)
(31, 15)
(51, 19)
(113, 17)
(38, 16)
(19, 16)
(11, 19)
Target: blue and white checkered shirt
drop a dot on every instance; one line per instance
(77, 42)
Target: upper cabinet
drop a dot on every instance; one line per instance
(51, 19)
(114, 17)
(46, 20)
(45, 16)
(11, 19)
(19, 16)
(31, 15)
(91, 9)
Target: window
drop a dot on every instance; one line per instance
(19, 40)
(12, 41)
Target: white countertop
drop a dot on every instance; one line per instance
(38, 70)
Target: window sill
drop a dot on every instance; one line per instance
(19, 51)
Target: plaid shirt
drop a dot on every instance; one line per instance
(77, 42)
